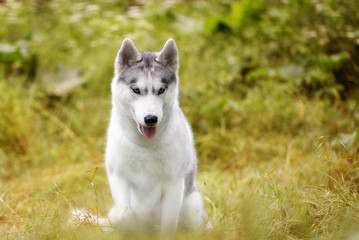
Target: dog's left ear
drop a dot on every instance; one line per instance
(169, 55)
(126, 56)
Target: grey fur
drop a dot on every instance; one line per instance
(190, 185)
(147, 64)
(126, 56)
(169, 55)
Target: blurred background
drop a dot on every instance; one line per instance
(270, 88)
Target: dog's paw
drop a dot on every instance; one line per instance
(79, 216)
(208, 225)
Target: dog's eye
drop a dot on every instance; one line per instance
(161, 90)
(136, 90)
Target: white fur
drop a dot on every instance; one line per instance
(147, 176)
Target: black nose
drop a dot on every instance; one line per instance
(150, 120)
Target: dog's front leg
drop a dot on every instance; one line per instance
(120, 189)
(171, 205)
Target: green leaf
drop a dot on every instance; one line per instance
(356, 138)
(213, 23)
(10, 53)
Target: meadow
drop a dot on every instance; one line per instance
(270, 89)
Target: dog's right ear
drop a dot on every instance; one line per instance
(126, 56)
(169, 55)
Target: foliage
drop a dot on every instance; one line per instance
(319, 49)
(270, 89)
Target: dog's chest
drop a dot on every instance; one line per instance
(152, 164)
(147, 164)
(148, 172)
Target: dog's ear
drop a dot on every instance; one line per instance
(126, 56)
(169, 55)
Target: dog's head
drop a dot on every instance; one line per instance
(146, 84)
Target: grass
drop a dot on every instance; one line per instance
(279, 199)
(276, 133)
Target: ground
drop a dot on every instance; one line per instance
(269, 87)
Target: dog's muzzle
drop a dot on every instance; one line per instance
(149, 130)
(151, 120)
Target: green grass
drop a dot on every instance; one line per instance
(272, 101)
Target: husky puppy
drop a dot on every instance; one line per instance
(150, 156)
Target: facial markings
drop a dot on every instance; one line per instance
(160, 90)
(171, 77)
(138, 90)
(128, 77)
(148, 76)
(133, 81)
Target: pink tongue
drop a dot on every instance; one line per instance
(149, 132)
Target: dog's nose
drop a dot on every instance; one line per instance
(151, 120)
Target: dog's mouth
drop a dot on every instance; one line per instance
(148, 132)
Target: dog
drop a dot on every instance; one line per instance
(150, 158)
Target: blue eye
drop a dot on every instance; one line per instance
(161, 90)
(136, 90)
